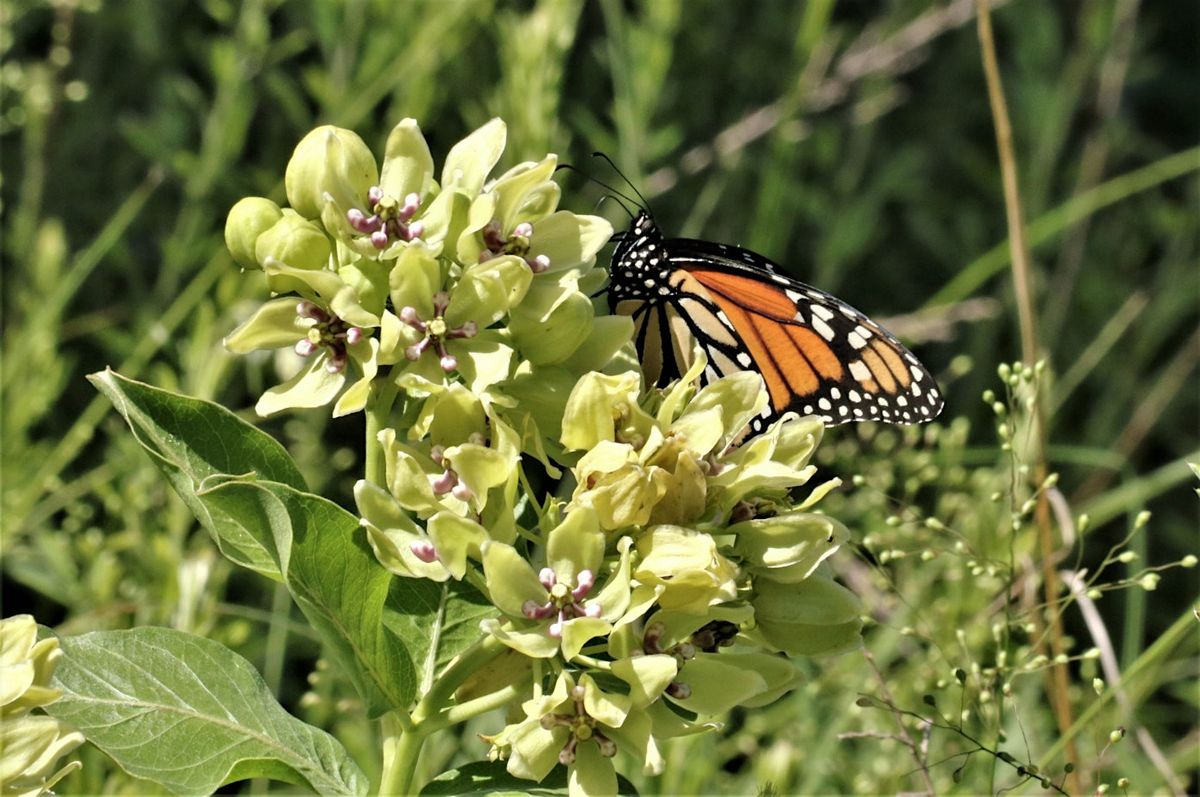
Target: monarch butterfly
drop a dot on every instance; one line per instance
(817, 355)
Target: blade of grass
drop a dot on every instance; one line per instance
(1156, 654)
(1100, 346)
(1050, 224)
(1137, 492)
(85, 425)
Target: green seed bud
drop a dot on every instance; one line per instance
(1122, 783)
(1188, 561)
(247, 220)
(294, 241)
(328, 159)
(1117, 735)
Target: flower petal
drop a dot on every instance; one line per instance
(313, 386)
(510, 579)
(274, 325)
(407, 164)
(576, 544)
(592, 775)
(534, 643)
(569, 240)
(487, 290)
(469, 161)
(647, 676)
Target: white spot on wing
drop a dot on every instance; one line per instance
(824, 329)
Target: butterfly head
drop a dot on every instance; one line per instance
(642, 231)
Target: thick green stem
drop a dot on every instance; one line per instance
(403, 737)
(379, 411)
(402, 743)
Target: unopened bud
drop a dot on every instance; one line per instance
(247, 220)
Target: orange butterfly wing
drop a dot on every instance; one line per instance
(816, 354)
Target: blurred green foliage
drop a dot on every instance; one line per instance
(850, 141)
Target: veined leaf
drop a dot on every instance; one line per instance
(437, 621)
(268, 523)
(191, 440)
(190, 715)
(335, 579)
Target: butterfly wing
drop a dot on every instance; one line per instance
(816, 354)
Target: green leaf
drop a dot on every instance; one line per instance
(437, 621)
(490, 778)
(336, 580)
(191, 715)
(191, 440)
(270, 525)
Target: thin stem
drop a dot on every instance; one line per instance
(473, 708)
(464, 665)
(904, 736)
(1057, 684)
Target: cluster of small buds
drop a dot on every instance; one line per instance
(448, 482)
(387, 220)
(424, 550)
(436, 332)
(582, 728)
(564, 601)
(515, 244)
(329, 332)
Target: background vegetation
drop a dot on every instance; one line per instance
(851, 141)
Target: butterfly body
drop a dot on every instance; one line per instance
(817, 355)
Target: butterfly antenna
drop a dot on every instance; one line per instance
(596, 209)
(615, 193)
(643, 204)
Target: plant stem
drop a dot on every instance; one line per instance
(1056, 684)
(402, 743)
(463, 666)
(379, 410)
(403, 736)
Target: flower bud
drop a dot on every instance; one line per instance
(788, 548)
(294, 241)
(813, 617)
(328, 160)
(247, 220)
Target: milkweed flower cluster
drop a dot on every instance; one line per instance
(664, 569)
(30, 744)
